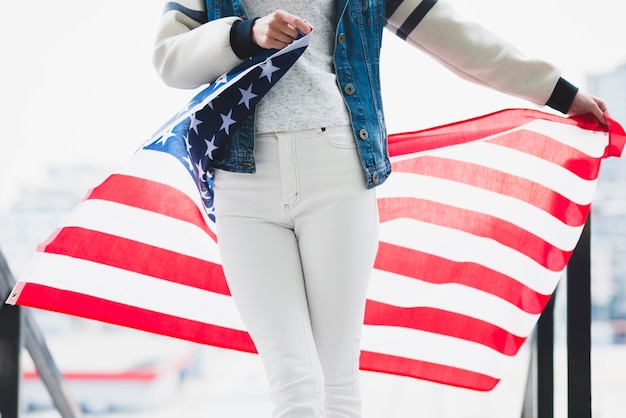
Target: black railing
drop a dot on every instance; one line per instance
(541, 380)
(579, 329)
(17, 329)
(10, 347)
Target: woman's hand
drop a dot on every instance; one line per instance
(278, 29)
(587, 104)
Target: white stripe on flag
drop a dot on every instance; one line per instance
(517, 163)
(468, 247)
(592, 143)
(144, 226)
(401, 291)
(126, 287)
(434, 348)
(515, 211)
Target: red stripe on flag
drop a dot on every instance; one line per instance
(433, 269)
(495, 123)
(112, 250)
(447, 375)
(617, 138)
(548, 149)
(565, 210)
(152, 196)
(119, 314)
(438, 321)
(90, 307)
(476, 223)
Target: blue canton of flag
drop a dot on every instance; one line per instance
(201, 130)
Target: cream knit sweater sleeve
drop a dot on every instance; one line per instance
(188, 51)
(473, 52)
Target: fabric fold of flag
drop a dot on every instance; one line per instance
(478, 221)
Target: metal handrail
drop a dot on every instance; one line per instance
(35, 344)
(540, 386)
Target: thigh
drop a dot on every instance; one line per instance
(261, 261)
(338, 255)
(262, 267)
(338, 244)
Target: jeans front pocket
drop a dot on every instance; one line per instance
(340, 136)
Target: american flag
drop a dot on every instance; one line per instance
(478, 222)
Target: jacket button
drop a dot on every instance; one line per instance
(375, 177)
(363, 134)
(349, 89)
(341, 38)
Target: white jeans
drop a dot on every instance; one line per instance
(298, 240)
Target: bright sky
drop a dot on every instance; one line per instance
(77, 83)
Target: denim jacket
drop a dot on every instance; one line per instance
(360, 22)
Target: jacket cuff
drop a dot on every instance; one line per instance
(562, 96)
(241, 38)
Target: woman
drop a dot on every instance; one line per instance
(299, 236)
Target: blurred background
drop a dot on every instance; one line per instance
(79, 95)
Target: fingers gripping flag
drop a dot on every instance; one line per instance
(478, 221)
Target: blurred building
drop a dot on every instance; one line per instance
(37, 212)
(608, 230)
(40, 208)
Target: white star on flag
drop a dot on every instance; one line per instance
(210, 147)
(227, 121)
(194, 123)
(165, 137)
(268, 70)
(246, 95)
(221, 80)
(200, 169)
